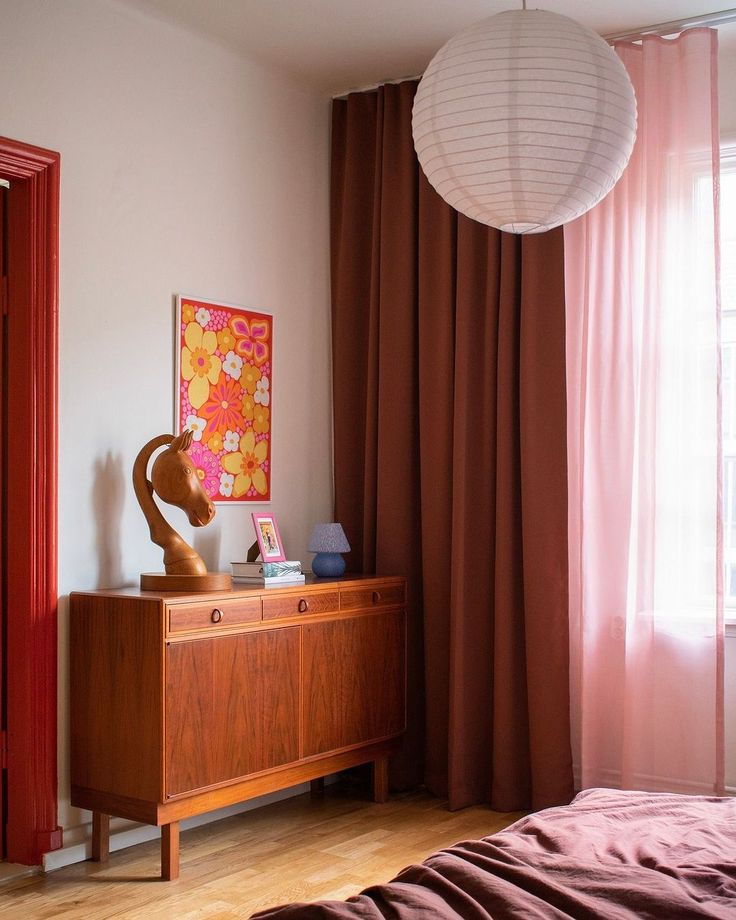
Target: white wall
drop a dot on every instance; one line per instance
(184, 169)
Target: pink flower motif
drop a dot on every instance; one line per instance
(251, 338)
(207, 468)
(218, 320)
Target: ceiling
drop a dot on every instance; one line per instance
(336, 45)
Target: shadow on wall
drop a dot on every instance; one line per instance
(207, 544)
(108, 496)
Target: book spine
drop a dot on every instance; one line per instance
(273, 569)
(266, 569)
(273, 580)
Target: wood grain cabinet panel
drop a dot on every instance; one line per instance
(117, 698)
(232, 707)
(353, 678)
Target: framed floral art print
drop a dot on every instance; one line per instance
(224, 394)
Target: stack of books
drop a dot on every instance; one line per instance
(267, 573)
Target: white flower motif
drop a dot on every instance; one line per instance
(233, 365)
(226, 484)
(232, 441)
(197, 425)
(261, 394)
(202, 316)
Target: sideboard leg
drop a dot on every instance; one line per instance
(317, 787)
(100, 836)
(380, 779)
(170, 851)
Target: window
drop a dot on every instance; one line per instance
(702, 215)
(728, 345)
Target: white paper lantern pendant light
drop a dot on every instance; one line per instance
(524, 121)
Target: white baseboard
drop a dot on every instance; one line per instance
(78, 843)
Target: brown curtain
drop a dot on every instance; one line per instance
(450, 459)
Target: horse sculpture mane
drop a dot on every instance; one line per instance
(174, 480)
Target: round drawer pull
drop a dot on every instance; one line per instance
(217, 615)
(303, 606)
(376, 597)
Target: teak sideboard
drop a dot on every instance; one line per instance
(181, 704)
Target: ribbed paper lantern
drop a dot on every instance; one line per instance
(524, 121)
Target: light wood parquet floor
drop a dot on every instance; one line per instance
(300, 849)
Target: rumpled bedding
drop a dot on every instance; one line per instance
(609, 854)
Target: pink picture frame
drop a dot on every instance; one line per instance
(268, 536)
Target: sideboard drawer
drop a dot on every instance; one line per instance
(214, 614)
(379, 596)
(297, 605)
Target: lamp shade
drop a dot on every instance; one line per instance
(524, 121)
(328, 538)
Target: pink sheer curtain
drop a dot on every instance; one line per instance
(646, 598)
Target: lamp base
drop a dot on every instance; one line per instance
(328, 565)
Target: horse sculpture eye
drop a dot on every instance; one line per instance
(187, 471)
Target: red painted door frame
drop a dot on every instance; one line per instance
(31, 574)
(3, 426)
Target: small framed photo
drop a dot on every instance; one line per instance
(269, 538)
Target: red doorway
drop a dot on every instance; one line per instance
(29, 473)
(3, 526)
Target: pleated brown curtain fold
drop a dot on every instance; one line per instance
(450, 459)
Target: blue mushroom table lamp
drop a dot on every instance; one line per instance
(328, 542)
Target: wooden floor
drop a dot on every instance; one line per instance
(300, 849)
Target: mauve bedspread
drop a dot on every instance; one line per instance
(617, 855)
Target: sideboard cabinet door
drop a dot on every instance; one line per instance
(232, 707)
(353, 680)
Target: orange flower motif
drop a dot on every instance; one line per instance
(247, 465)
(223, 409)
(249, 405)
(226, 340)
(249, 377)
(260, 419)
(187, 313)
(252, 338)
(215, 443)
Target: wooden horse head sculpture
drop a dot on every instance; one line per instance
(174, 480)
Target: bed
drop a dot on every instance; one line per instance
(609, 854)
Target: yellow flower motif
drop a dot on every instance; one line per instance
(249, 377)
(249, 405)
(225, 339)
(246, 464)
(260, 419)
(187, 313)
(199, 363)
(215, 442)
